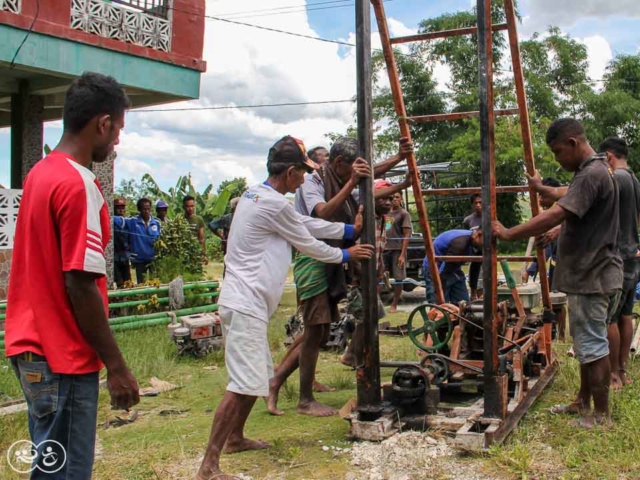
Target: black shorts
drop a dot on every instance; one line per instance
(625, 305)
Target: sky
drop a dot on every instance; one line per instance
(247, 66)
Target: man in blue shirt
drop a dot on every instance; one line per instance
(121, 266)
(143, 230)
(452, 243)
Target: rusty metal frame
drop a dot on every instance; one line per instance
(494, 406)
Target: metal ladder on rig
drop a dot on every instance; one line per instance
(494, 402)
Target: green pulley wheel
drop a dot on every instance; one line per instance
(428, 328)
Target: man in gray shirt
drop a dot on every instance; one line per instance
(589, 268)
(621, 327)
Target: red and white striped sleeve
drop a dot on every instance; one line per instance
(78, 218)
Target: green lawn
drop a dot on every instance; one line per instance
(169, 447)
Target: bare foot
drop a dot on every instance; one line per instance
(589, 422)
(319, 387)
(573, 408)
(205, 473)
(624, 379)
(316, 409)
(616, 383)
(244, 444)
(393, 309)
(348, 360)
(272, 400)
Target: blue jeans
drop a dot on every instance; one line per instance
(63, 409)
(454, 286)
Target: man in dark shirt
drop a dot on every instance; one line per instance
(589, 268)
(196, 223)
(621, 327)
(471, 222)
(454, 284)
(395, 255)
(121, 252)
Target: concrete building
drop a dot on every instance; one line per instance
(152, 47)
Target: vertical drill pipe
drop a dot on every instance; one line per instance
(401, 112)
(493, 393)
(527, 142)
(368, 373)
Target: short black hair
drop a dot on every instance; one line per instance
(474, 196)
(551, 182)
(140, 203)
(312, 153)
(187, 198)
(564, 127)
(346, 147)
(90, 95)
(615, 145)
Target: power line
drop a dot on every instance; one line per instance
(246, 12)
(304, 10)
(234, 107)
(35, 17)
(282, 31)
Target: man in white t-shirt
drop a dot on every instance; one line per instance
(265, 226)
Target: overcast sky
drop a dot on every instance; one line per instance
(247, 66)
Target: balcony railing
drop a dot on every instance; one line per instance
(142, 22)
(158, 8)
(12, 6)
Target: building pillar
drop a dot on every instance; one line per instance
(104, 171)
(27, 135)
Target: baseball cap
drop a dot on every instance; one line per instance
(119, 202)
(290, 152)
(378, 184)
(161, 204)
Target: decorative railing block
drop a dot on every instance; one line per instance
(117, 21)
(13, 6)
(9, 205)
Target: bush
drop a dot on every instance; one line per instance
(177, 252)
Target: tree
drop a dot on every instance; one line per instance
(236, 186)
(208, 205)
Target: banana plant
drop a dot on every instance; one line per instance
(208, 204)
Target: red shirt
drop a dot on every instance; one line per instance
(63, 225)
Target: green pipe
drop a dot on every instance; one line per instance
(134, 325)
(164, 288)
(212, 307)
(164, 316)
(135, 303)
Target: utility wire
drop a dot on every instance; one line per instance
(35, 17)
(290, 7)
(234, 107)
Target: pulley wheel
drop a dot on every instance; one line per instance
(420, 324)
(437, 366)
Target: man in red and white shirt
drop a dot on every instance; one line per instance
(57, 331)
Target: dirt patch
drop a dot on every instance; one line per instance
(409, 456)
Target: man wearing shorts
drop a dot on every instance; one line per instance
(621, 328)
(265, 226)
(589, 268)
(329, 194)
(395, 254)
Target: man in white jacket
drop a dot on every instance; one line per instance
(265, 226)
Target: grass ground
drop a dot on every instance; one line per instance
(159, 446)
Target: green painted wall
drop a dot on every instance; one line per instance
(59, 56)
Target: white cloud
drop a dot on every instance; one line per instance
(600, 54)
(247, 66)
(542, 13)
